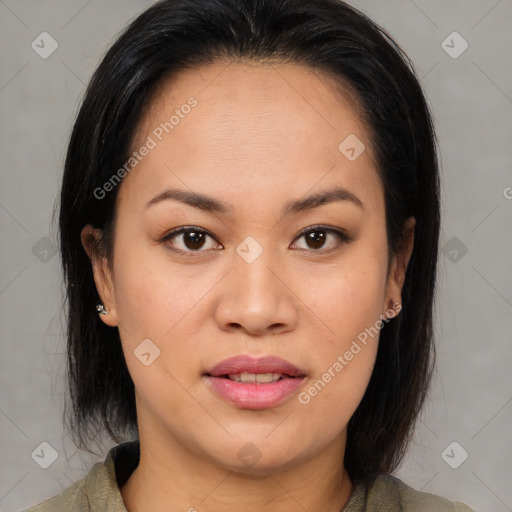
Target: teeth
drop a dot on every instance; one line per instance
(258, 378)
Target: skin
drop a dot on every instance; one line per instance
(260, 135)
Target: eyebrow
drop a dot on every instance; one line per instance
(210, 204)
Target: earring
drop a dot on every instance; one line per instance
(101, 309)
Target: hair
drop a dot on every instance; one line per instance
(325, 35)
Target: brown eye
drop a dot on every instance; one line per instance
(317, 238)
(193, 239)
(188, 240)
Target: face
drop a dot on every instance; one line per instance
(253, 268)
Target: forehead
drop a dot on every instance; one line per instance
(256, 124)
(267, 90)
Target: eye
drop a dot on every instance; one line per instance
(190, 239)
(317, 236)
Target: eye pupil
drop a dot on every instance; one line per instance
(197, 239)
(317, 238)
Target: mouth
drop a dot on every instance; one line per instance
(245, 368)
(249, 383)
(254, 391)
(254, 378)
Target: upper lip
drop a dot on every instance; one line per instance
(248, 364)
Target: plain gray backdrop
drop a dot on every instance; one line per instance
(462, 448)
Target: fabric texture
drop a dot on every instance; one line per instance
(99, 491)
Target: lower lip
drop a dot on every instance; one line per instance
(255, 396)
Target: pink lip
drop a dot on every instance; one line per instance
(255, 396)
(248, 364)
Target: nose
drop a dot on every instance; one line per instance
(256, 298)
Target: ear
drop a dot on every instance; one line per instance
(91, 241)
(398, 268)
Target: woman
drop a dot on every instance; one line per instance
(249, 228)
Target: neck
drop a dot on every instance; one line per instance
(170, 478)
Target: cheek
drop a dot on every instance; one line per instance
(348, 307)
(151, 294)
(157, 300)
(351, 314)
(154, 302)
(349, 296)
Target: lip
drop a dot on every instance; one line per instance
(248, 364)
(255, 396)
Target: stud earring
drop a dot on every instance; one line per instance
(101, 309)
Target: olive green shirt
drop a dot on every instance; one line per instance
(99, 491)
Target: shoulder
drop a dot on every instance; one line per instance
(99, 490)
(74, 498)
(388, 492)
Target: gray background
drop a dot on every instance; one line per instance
(471, 97)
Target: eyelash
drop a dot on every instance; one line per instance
(343, 238)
